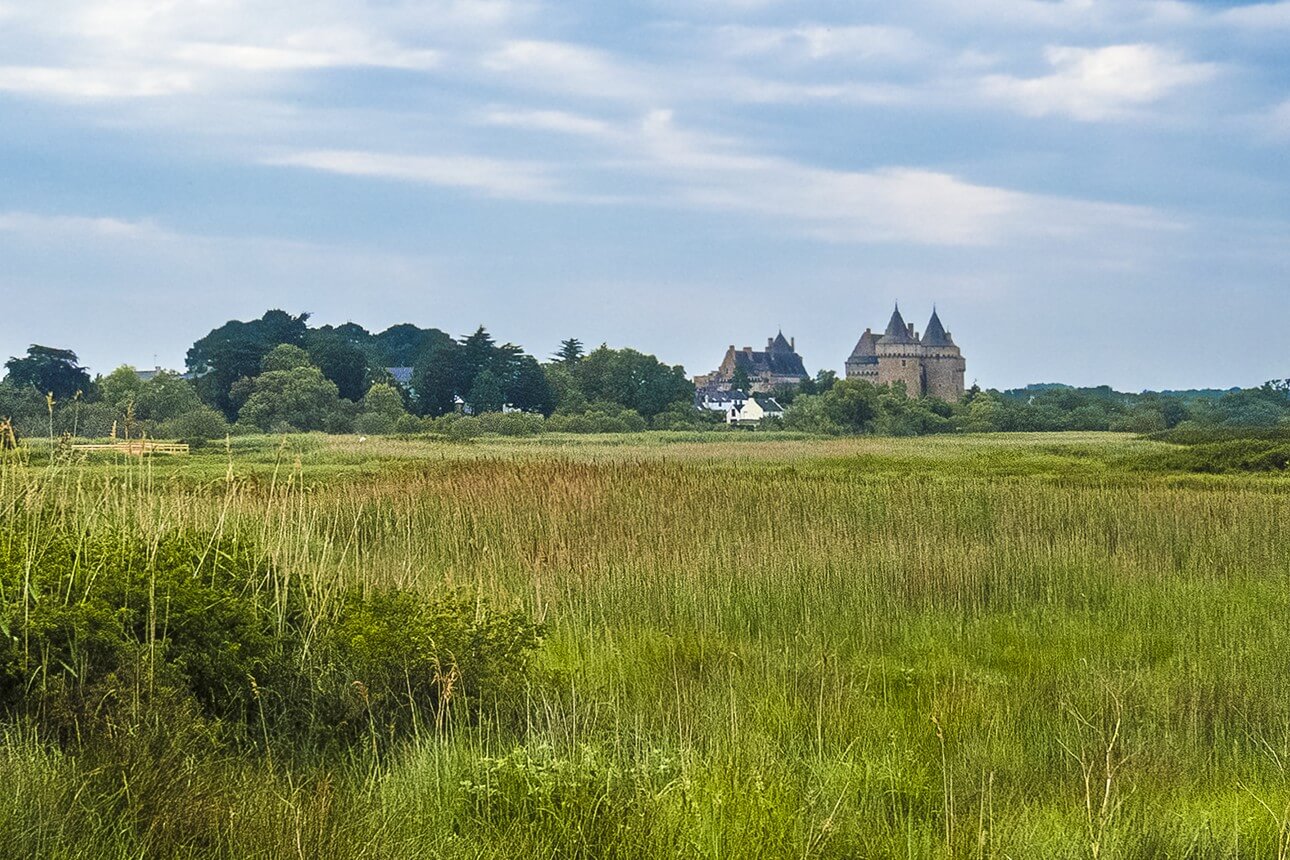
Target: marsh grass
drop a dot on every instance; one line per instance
(1038, 646)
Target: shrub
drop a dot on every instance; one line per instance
(374, 424)
(463, 427)
(192, 628)
(201, 425)
(512, 423)
(400, 659)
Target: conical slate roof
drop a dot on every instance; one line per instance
(897, 331)
(781, 344)
(935, 334)
(865, 351)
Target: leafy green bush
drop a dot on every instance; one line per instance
(201, 425)
(399, 659)
(512, 423)
(374, 424)
(114, 632)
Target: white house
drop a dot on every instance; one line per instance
(753, 410)
(738, 408)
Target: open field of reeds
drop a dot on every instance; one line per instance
(1039, 646)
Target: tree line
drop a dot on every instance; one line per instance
(280, 374)
(277, 373)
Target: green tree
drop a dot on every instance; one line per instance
(567, 393)
(384, 399)
(300, 397)
(632, 379)
(435, 380)
(164, 397)
(570, 351)
(285, 356)
(487, 394)
(478, 353)
(236, 350)
(739, 380)
(50, 371)
(527, 387)
(120, 387)
(341, 361)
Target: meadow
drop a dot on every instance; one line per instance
(746, 645)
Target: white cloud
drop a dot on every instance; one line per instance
(891, 204)
(568, 68)
(35, 225)
(1099, 83)
(822, 42)
(561, 122)
(141, 48)
(308, 51)
(93, 83)
(494, 177)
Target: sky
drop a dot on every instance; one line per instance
(1089, 191)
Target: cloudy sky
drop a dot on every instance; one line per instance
(1091, 191)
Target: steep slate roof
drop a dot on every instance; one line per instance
(935, 334)
(897, 331)
(865, 353)
(780, 344)
(775, 362)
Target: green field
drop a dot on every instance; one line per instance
(752, 646)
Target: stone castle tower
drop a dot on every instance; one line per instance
(930, 365)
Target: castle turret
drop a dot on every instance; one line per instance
(943, 364)
(900, 356)
(863, 362)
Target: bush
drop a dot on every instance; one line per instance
(409, 424)
(196, 629)
(395, 659)
(199, 426)
(374, 424)
(512, 423)
(463, 427)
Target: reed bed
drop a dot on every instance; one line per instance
(992, 647)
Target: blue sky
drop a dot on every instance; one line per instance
(1091, 191)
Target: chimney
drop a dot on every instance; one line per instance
(911, 329)
(747, 349)
(770, 341)
(792, 344)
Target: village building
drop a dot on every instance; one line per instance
(778, 365)
(929, 365)
(737, 407)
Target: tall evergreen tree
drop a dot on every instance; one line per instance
(570, 351)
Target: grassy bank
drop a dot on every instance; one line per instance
(1025, 646)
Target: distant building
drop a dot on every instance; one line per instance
(401, 375)
(778, 365)
(930, 365)
(149, 375)
(737, 407)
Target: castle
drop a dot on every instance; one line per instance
(778, 365)
(930, 365)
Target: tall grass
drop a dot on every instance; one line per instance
(1024, 647)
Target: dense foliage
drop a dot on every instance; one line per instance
(102, 635)
(278, 374)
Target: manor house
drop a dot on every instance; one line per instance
(930, 365)
(778, 365)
